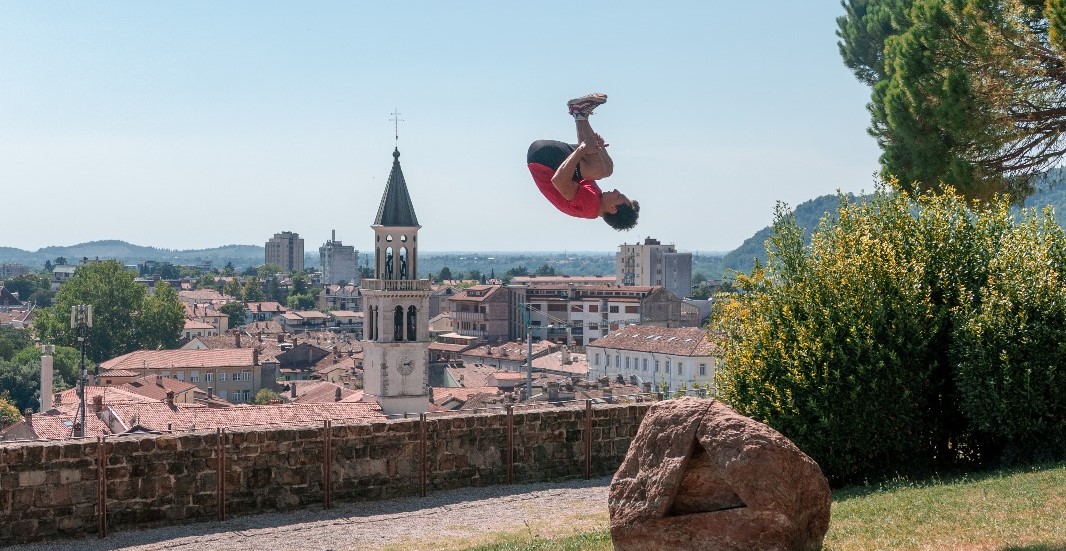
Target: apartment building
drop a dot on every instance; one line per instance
(579, 314)
(481, 311)
(286, 249)
(338, 262)
(652, 263)
(235, 375)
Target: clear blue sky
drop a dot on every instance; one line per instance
(198, 124)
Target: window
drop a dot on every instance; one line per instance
(627, 363)
(680, 369)
(246, 375)
(577, 308)
(597, 359)
(668, 365)
(618, 360)
(656, 366)
(703, 370)
(607, 360)
(593, 308)
(645, 364)
(221, 376)
(631, 309)
(613, 309)
(194, 376)
(209, 377)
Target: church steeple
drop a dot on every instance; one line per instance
(396, 209)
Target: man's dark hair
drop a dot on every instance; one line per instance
(624, 217)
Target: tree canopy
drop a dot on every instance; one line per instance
(967, 93)
(125, 317)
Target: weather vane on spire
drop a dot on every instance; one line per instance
(396, 122)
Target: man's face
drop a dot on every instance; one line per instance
(614, 198)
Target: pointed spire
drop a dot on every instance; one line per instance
(396, 208)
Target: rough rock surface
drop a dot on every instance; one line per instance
(699, 476)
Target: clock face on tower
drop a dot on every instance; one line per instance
(407, 365)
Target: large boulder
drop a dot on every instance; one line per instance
(699, 476)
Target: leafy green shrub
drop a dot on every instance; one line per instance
(1010, 342)
(910, 334)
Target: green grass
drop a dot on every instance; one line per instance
(1010, 510)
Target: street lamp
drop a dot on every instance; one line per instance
(81, 319)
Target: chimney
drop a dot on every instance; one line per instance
(46, 380)
(210, 393)
(170, 398)
(98, 403)
(337, 396)
(281, 337)
(237, 334)
(159, 381)
(292, 389)
(255, 356)
(608, 395)
(28, 414)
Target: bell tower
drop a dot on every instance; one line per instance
(396, 307)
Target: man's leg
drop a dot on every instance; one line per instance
(597, 165)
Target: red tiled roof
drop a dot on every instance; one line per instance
(265, 327)
(681, 341)
(193, 324)
(160, 416)
(177, 359)
(578, 364)
(320, 392)
(267, 306)
(513, 351)
(156, 387)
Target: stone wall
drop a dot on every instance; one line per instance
(51, 490)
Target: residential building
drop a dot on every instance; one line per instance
(667, 357)
(286, 249)
(579, 314)
(12, 269)
(338, 262)
(652, 263)
(9, 300)
(509, 356)
(396, 307)
(263, 311)
(61, 273)
(340, 297)
(195, 328)
(562, 280)
(481, 311)
(438, 299)
(346, 321)
(235, 375)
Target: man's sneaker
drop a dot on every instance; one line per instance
(585, 104)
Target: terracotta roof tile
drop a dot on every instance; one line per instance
(680, 341)
(177, 359)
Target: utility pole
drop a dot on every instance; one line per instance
(81, 319)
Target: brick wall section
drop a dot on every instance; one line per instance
(49, 490)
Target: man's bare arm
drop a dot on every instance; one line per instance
(563, 180)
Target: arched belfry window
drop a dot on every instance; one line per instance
(403, 262)
(412, 324)
(388, 263)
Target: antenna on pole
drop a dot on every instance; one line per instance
(396, 120)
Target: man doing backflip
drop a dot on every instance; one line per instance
(566, 174)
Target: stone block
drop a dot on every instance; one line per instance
(32, 478)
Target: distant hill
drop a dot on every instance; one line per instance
(808, 215)
(240, 255)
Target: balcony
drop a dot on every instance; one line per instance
(394, 285)
(467, 316)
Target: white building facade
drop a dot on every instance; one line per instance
(669, 358)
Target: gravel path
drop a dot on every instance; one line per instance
(441, 520)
